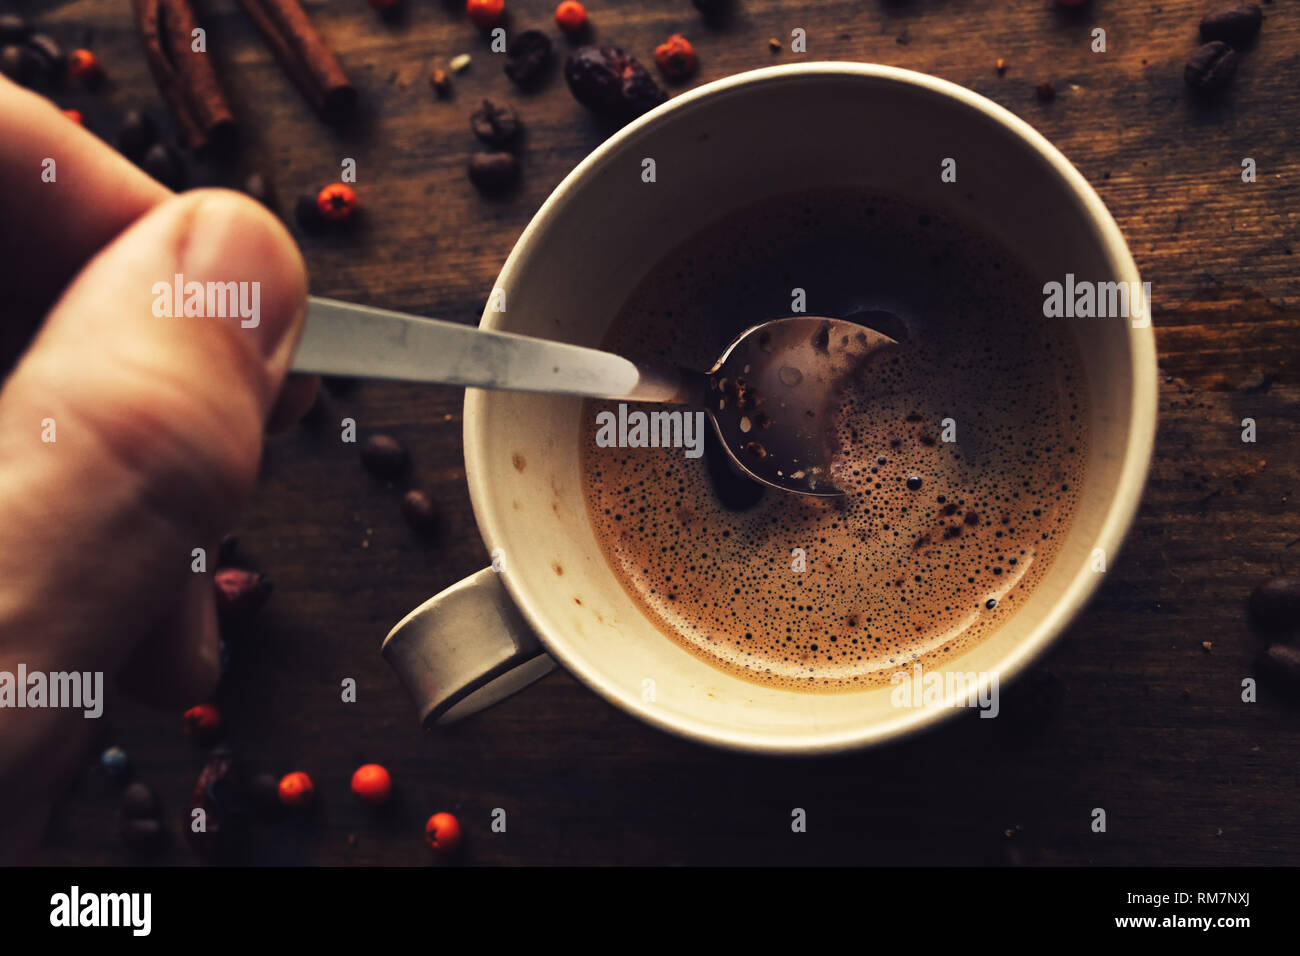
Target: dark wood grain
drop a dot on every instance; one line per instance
(1128, 712)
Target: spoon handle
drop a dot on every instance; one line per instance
(340, 338)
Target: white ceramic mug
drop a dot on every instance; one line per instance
(552, 597)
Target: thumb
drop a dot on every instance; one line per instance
(130, 433)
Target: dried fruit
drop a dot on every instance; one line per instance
(676, 58)
(420, 511)
(442, 833)
(607, 80)
(1210, 67)
(384, 456)
(484, 13)
(296, 790)
(202, 722)
(528, 58)
(114, 762)
(1236, 24)
(495, 125)
(372, 784)
(493, 172)
(337, 202)
(240, 591)
(1275, 604)
(571, 17)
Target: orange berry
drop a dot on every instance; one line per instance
(570, 16)
(676, 57)
(75, 116)
(83, 65)
(442, 833)
(372, 784)
(485, 13)
(337, 202)
(296, 790)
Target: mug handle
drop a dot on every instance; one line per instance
(465, 649)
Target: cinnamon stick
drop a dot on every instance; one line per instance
(304, 55)
(185, 78)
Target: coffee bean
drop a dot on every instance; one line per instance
(384, 456)
(13, 28)
(1210, 67)
(495, 125)
(144, 835)
(1284, 659)
(50, 51)
(1275, 604)
(528, 57)
(493, 172)
(307, 212)
(136, 134)
(607, 80)
(1235, 24)
(164, 164)
(139, 802)
(420, 511)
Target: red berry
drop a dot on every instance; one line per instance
(83, 65)
(203, 721)
(485, 13)
(296, 790)
(75, 116)
(571, 16)
(372, 784)
(442, 833)
(337, 202)
(676, 57)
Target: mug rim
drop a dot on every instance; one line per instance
(1080, 586)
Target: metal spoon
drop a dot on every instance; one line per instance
(771, 396)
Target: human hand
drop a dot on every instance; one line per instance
(126, 439)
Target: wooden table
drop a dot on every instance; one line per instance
(1129, 712)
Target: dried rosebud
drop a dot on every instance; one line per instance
(240, 591)
(607, 80)
(384, 456)
(493, 172)
(495, 125)
(216, 831)
(528, 58)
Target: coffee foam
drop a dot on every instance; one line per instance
(896, 570)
